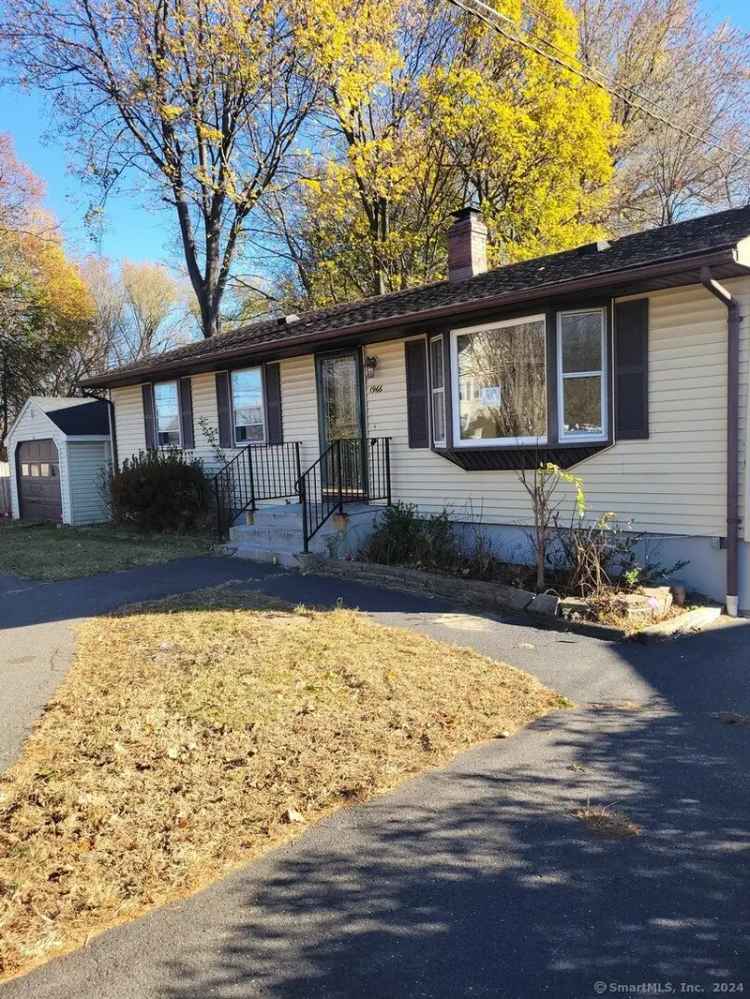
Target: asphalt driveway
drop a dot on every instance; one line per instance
(473, 880)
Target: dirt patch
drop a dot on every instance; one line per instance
(193, 734)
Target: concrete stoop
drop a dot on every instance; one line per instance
(274, 534)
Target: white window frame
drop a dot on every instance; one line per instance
(175, 382)
(437, 392)
(238, 371)
(602, 373)
(494, 442)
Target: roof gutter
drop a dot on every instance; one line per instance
(733, 420)
(624, 276)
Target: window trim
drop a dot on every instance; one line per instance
(437, 442)
(602, 374)
(237, 371)
(155, 386)
(495, 442)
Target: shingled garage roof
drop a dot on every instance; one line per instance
(594, 265)
(90, 419)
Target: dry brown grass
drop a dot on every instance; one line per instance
(49, 551)
(193, 734)
(606, 822)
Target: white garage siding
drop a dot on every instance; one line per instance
(80, 461)
(86, 463)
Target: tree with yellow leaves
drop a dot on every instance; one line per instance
(427, 108)
(45, 308)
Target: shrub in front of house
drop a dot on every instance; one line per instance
(402, 537)
(161, 491)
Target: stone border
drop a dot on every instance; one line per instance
(471, 592)
(500, 597)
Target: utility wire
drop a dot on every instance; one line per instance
(495, 20)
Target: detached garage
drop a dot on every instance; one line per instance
(57, 449)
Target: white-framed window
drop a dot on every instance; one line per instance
(248, 410)
(582, 375)
(167, 411)
(437, 391)
(500, 383)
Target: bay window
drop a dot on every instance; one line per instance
(500, 383)
(582, 381)
(247, 406)
(167, 412)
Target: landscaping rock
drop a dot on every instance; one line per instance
(573, 609)
(544, 603)
(679, 593)
(692, 620)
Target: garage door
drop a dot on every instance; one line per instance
(38, 468)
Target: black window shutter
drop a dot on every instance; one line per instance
(415, 352)
(274, 429)
(149, 416)
(224, 406)
(631, 370)
(185, 389)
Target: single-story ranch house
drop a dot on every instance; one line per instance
(625, 360)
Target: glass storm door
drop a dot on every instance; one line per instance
(341, 419)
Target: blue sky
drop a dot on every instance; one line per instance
(132, 231)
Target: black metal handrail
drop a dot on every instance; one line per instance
(350, 470)
(258, 472)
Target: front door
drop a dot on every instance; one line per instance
(342, 419)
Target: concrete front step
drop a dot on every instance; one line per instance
(275, 534)
(262, 553)
(252, 535)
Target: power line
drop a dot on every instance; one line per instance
(595, 76)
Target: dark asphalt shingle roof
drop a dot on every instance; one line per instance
(694, 236)
(89, 419)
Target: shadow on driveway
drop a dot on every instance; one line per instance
(478, 881)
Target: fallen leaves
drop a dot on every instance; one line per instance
(193, 734)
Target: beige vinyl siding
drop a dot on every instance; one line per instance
(674, 482)
(86, 462)
(130, 430)
(206, 421)
(298, 408)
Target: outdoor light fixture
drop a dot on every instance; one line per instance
(370, 364)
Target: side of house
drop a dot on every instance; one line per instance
(669, 483)
(626, 361)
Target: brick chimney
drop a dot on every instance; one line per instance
(467, 245)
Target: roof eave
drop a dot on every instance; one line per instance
(729, 254)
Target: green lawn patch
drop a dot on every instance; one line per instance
(45, 551)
